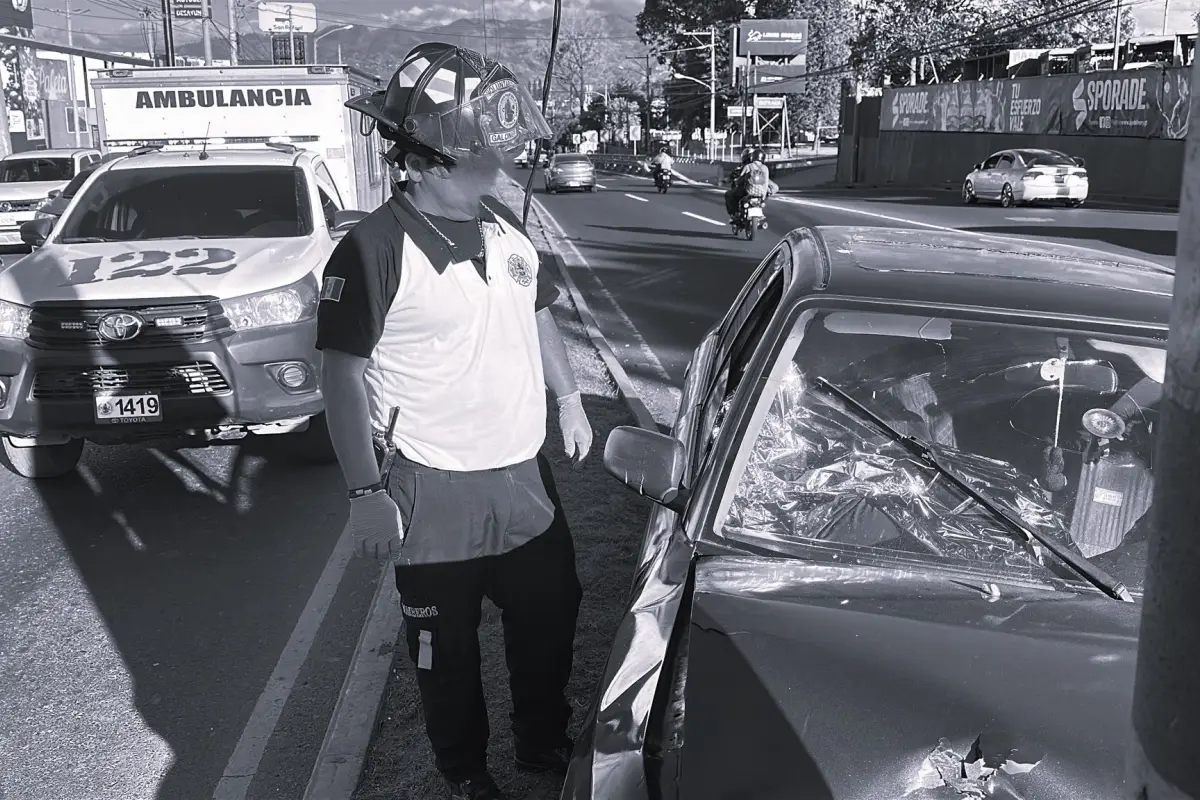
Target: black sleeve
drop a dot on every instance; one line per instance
(357, 289)
(547, 289)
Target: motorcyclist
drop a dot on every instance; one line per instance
(753, 179)
(662, 162)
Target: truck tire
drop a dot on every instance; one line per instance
(43, 461)
(313, 446)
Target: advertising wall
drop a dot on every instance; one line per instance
(20, 78)
(1148, 103)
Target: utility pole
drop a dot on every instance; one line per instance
(233, 32)
(291, 37)
(168, 34)
(340, 60)
(71, 78)
(1166, 9)
(649, 104)
(1117, 37)
(206, 28)
(1166, 696)
(712, 85)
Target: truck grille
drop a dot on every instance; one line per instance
(191, 379)
(19, 205)
(68, 326)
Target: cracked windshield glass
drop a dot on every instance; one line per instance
(1056, 426)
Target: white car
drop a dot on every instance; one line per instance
(522, 159)
(174, 301)
(1026, 176)
(27, 181)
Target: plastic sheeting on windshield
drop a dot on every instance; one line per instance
(818, 470)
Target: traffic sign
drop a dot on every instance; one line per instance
(190, 9)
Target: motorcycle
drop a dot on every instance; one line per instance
(662, 180)
(750, 217)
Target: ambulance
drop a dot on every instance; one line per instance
(192, 108)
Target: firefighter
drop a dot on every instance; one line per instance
(436, 305)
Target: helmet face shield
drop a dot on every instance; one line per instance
(500, 116)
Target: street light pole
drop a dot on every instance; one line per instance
(712, 84)
(233, 32)
(322, 35)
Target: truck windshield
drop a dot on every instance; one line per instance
(144, 203)
(30, 170)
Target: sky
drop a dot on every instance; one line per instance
(113, 16)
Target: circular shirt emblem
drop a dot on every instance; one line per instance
(518, 269)
(508, 110)
(20, 5)
(119, 327)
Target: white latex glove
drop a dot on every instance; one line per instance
(576, 430)
(376, 526)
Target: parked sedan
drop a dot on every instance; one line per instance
(899, 536)
(570, 171)
(1027, 176)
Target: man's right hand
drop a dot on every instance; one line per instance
(376, 526)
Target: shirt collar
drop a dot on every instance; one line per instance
(423, 234)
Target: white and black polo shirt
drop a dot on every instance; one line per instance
(452, 343)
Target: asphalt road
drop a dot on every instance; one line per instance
(159, 608)
(661, 269)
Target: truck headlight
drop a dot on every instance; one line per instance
(285, 306)
(14, 320)
(45, 201)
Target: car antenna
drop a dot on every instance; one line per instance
(204, 149)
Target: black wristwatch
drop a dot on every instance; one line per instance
(366, 490)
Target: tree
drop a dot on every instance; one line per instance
(585, 55)
(829, 32)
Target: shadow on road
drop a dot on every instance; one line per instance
(1158, 243)
(685, 234)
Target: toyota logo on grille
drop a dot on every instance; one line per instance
(120, 327)
(5, 207)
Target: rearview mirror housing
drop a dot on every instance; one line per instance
(648, 462)
(346, 219)
(35, 232)
(1090, 376)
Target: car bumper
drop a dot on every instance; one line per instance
(10, 228)
(1052, 191)
(571, 182)
(218, 389)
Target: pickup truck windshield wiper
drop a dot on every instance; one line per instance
(1096, 576)
(85, 240)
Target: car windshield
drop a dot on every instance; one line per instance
(31, 170)
(1068, 450)
(188, 202)
(72, 188)
(1047, 159)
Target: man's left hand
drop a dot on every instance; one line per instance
(576, 430)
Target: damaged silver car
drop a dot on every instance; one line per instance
(899, 536)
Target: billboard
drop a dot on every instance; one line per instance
(16, 14)
(1147, 103)
(772, 37)
(188, 9)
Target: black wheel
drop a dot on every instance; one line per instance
(1006, 196)
(749, 233)
(550, 190)
(1074, 203)
(43, 461)
(968, 194)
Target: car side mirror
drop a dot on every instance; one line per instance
(979, 166)
(1079, 162)
(346, 219)
(54, 193)
(35, 232)
(648, 462)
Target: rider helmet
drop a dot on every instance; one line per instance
(447, 103)
(758, 155)
(664, 149)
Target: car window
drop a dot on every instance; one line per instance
(1006, 162)
(739, 338)
(172, 202)
(1025, 413)
(991, 162)
(1048, 160)
(72, 188)
(27, 170)
(327, 184)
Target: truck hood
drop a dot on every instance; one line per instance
(835, 683)
(28, 190)
(234, 267)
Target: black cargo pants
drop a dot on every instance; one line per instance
(535, 586)
(733, 197)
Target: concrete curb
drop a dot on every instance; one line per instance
(639, 410)
(355, 718)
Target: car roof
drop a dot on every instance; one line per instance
(59, 152)
(1024, 276)
(247, 157)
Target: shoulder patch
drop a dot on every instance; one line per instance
(519, 270)
(331, 289)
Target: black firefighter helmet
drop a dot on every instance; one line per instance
(446, 103)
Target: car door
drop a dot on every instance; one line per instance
(985, 179)
(1005, 172)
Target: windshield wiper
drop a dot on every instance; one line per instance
(1098, 577)
(85, 240)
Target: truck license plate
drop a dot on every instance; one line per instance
(8, 221)
(1060, 178)
(128, 408)
(754, 211)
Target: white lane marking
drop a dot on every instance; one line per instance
(647, 356)
(639, 199)
(704, 219)
(1030, 219)
(600, 186)
(247, 755)
(873, 214)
